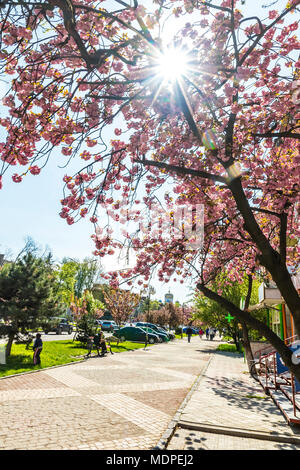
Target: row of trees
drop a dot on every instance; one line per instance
(212, 313)
(34, 289)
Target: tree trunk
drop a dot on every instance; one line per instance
(283, 281)
(247, 345)
(236, 341)
(264, 330)
(246, 341)
(268, 257)
(11, 337)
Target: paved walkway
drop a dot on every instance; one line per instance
(133, 400)
(228, 410)
(121, 401)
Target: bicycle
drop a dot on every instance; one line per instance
(258, 368)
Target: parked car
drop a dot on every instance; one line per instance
(194, 330)
(170, 335)
(132, 333)
(161, 336)
(157, 329)
(58, 325)
(108, 325)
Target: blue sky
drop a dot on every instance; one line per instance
(31, 208)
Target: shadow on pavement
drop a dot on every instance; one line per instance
(197, 440)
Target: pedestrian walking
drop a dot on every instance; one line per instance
(207, 333)
(189, 333)
(201, 333)
(146, 338)
(211, 334)
(37, 349)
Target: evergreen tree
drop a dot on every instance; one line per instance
(28, 296)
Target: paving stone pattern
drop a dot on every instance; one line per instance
(121, 401)
(184, 439)
(227, 398)
(131, 400)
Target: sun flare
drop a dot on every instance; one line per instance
(172, 64)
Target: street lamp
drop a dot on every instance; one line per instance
(150, 292)
(183, 312)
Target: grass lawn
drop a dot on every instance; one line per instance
(183, 336)
(54, 353)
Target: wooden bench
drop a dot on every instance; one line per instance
(112, 339)
(108, 341)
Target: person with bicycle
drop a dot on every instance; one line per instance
(99, 341)
(89, 345)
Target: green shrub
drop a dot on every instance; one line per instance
(178, 331)
(227, 347)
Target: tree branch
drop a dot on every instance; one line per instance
(183, 170)
(265, 211)
(249, 291)
(287, 134)
(244, 315)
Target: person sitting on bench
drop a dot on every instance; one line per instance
(99, 341)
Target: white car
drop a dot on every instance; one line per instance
(107, 325)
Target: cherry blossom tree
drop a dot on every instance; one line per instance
(161, 316)
(172, 315)
(121, 304)
(219, 130)
(185, 315)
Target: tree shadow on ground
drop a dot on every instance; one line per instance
(17, 362)
(199, 440)
(236, 354)
(247, 397)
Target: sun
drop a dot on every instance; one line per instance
(169, 67)
(171, 64)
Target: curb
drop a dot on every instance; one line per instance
(251, 434)
(176, 423)
(41, 370)
(59, 365)
(167, 436)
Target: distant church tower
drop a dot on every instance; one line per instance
(169, 298)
